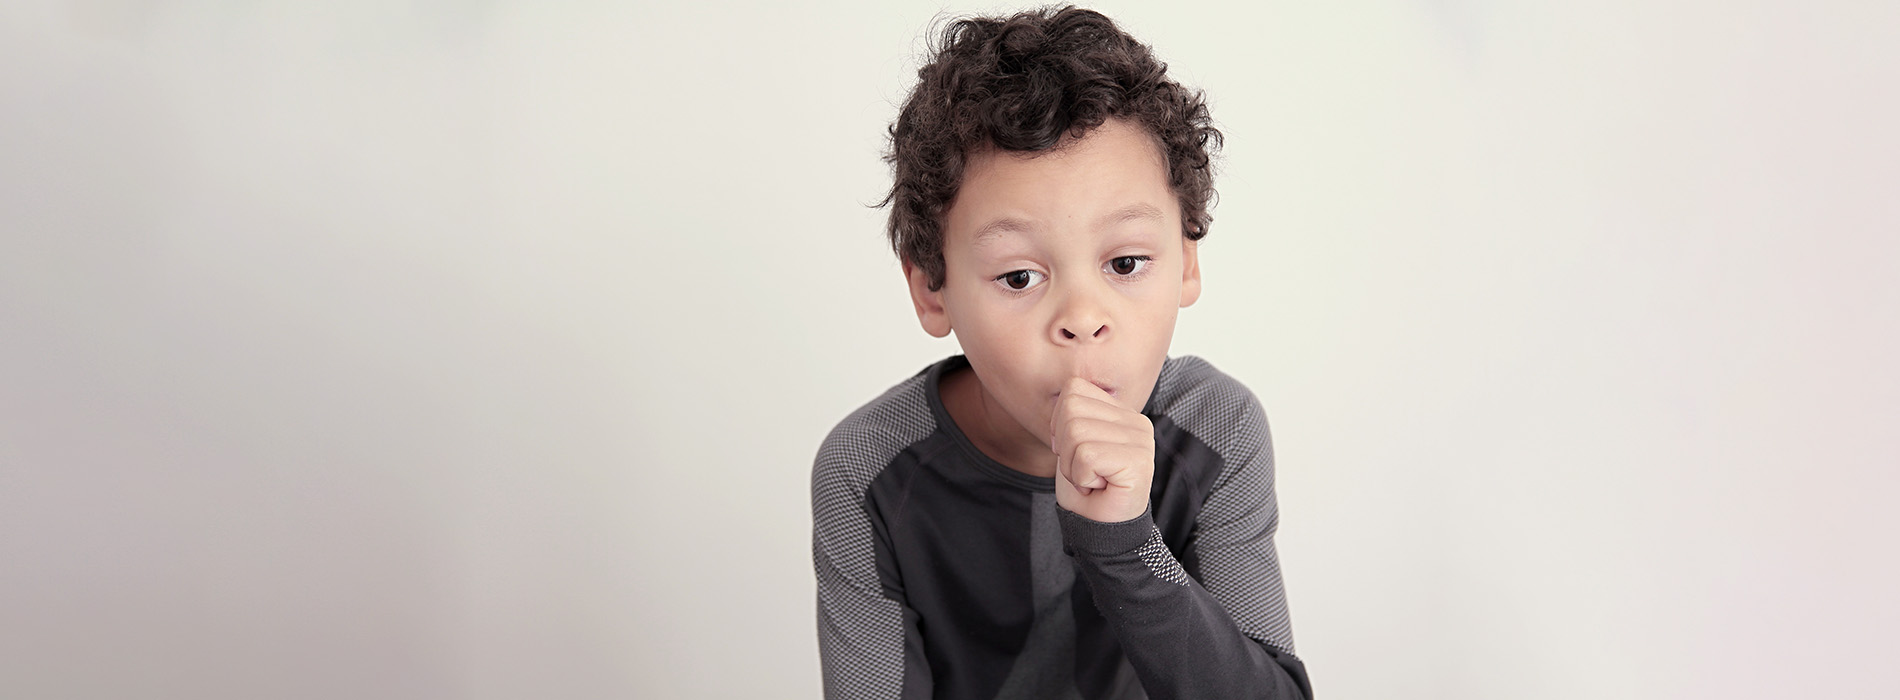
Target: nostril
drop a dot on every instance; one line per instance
(1100, 331)
(1067, 334)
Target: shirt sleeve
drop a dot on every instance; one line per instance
(868, 643)
(1222, 632)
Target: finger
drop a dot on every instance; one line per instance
(1079, 395)
(1084, 387)
(1073, 399)
(1077, 430)
(1071, 407)
(1063, 478)
(1098, 465)
(1134, 430)
(1066, 491)
(1081, 431)
(1083, 406)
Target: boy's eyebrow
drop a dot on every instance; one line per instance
(996, 229)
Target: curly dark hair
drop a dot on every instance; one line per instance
(1020, 83)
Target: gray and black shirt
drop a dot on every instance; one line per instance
(945, 574)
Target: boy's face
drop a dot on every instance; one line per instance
(1068, 264)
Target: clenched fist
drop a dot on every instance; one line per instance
(1105, 454)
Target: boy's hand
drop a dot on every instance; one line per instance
(1105, 454)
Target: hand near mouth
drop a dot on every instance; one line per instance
(1105, 454)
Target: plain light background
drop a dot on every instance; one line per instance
(481, 350)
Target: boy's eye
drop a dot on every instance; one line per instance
(1128, 264)
(1020, 279)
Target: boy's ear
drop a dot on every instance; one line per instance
(1190, 272)
(929, 304)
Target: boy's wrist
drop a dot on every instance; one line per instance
(1081, 535)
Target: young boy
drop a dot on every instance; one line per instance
(1062, 511)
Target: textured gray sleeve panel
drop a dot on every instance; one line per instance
(1233, 536)
(1160, 561)
(860, 630)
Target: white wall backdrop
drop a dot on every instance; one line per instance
(480, 350)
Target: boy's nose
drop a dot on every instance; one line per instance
(1081, 318)
(1081, 323)
(1099, 332)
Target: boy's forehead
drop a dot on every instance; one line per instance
(1003, 228)
(1113, 175)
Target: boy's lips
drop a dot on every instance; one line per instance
(1104, 387)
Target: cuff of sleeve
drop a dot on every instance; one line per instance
(1081, 535)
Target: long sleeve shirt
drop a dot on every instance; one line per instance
(944, 574)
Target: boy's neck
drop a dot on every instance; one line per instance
(991, 430)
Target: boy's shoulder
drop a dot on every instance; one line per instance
(1210, 405)
(861, 444)
(1191, 387)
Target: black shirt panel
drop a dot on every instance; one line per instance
(960, 558)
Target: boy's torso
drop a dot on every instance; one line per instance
(974, 549)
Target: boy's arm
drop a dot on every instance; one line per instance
(867, 642)
(867, 638)
(1225, 635)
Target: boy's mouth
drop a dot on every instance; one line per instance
(1104, 387)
